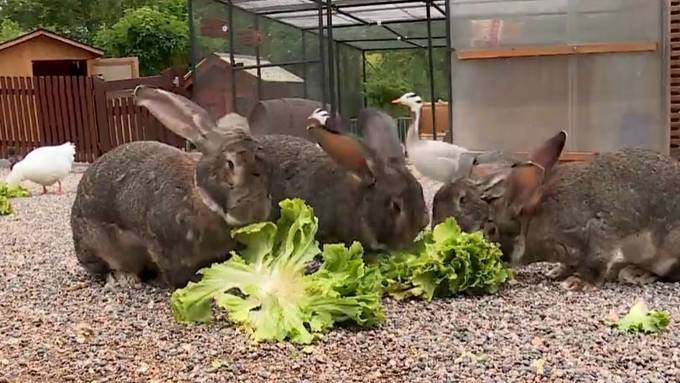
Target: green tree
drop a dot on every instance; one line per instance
(79, 19)
(158, 38)
(9, 29)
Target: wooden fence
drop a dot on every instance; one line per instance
(93, 114)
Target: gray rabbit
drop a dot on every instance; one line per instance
(610, 219)
(358, 190)
(154, 212)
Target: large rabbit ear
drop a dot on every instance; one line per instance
(380, 134)
(523, 190)
(180, 115)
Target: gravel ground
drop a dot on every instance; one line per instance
(57, 325)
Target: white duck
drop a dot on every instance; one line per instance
(44, 166)
(437, 160)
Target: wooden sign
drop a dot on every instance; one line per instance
(214, 27)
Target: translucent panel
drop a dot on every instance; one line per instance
(482, 23)
(604, 101)
(509, 104)
(436, 42)
(310, 19)
(619, 102)
(419, 29)
(361, 32)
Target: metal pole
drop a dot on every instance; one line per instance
(449, 62)
(363, 76)
(232, 62)
(257, 58)
(192, 42)
(304, 64)
(431, 65)
(337, 77)
(322, 56)
(331, 61)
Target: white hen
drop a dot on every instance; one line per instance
(44, 166)
(437, 160)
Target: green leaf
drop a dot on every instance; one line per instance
(264, 289)
(444, 262)
(641, 319)
(6, 193)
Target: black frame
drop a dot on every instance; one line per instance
(328, 58)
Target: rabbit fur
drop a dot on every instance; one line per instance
(381, 207)
(610, 219)
(151, 211)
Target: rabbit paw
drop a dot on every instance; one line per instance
(320, 115)
(575, 283)
(560, 271)
(634, 275)
(117, 280)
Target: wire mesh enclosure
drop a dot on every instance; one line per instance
(245, 51)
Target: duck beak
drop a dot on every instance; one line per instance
(395, 101)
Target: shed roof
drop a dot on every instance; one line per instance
(268, 73)
(42, 32)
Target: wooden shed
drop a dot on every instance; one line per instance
(215, 90)
(45, 53)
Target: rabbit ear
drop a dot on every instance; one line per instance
(380, 134)
(346, 151)
(180, 115)
(523, 191)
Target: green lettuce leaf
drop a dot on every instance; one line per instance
(265, 290)
(641, 319)
(8, 192)
(443, 262)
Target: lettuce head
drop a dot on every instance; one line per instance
(265, 290)
(443, 262)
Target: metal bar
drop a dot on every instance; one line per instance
(337, 77)
(192, 43)
(395, 49)
(386, 39)
(322, 55)
(270, 65)
(430, 59)
(257, 59)
(387, 22)
(438, 8)
(304, 65)
(232, 62)
(364, 22)
(293, 8)
(331, 61)
(449, 69)
(363, 77)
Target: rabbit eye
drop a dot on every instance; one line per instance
(462, 200)
(230, 164)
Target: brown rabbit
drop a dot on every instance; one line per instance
(357, 192)
(609, 219)
(149, 210)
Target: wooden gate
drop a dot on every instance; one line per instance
(93, 114)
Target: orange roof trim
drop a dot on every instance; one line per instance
(42, 32)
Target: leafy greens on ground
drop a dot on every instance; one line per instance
(264, 287)
(8, 192)
(443, 262)
(641, 319)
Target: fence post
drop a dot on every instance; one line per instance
(103, 133)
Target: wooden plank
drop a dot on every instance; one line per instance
(100, 104)
(30, 99)
(4, 125)
(39, 83)
(124, 121)
(62, 113)
(84, 130)
(52, 105)
(24, 129)
(70, 113)
(14, 116)
(91, 119)
(553, 50)
(78, 119)
(112, 124)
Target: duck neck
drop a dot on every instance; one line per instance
(413, 132)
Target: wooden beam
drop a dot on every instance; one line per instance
(554, 50)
